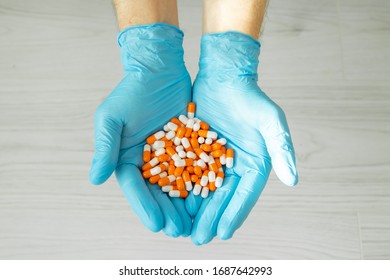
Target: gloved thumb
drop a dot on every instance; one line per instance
(108, 131)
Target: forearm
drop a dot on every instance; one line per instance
(136, 12)
(233, 15)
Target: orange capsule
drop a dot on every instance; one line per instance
(194, 134)
(189, 161)
(171, 162)
(152, 163)
(218, 162)
(212, 186)
(178, 171)
(217, 153)
(198, 171)
(204, 125)
(194, 143)
(187, 180)
(223, 149)
(168, 143)
(176, 121)
(194, 178)
(171, 169)
(191, 110)
(163, 157)
(216, 146)
(158, 135)
(146, 154)
(180, 184)
(190, 169)
(154, 179)
(178, 193)
(205, 147)
(181, 132)
(229, 158)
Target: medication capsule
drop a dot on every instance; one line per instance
(219, 179)
(202, 155)
(160, 152)
(171, 169)
(188, 161)
(180, 162)
(178, 171)
(223, 159)
(186, 144)
(166, 128)
(170, 134)
(197, 188)
(205, 192)
(191, 154)
(212, 165)
(221, 141)
(229, 158)
(158, 135)
(187, 180)
(158, 145)
(217, 161)
(205, 178)
(194, 134)
(146, 155)
(179, 148)
(189, 126)
(196, 126)
(191, 110)
(198, 171)
(194, 178)
(168, 188)
(201, 163)
(183, 119)
(180, 184)
(163, 157)
(208, 141)
(180, 133)
(206, 148)
(194, 143)
(204, 125)
(172, 126)
(168, 143)
(172, 153)
(154, 179)
(208, 134)
(190, 169)
(201, 140)
(182, 154)
(176, 121)
(217, 153)
(166, 180)
(152, 163)
(212, 178)
(216, 146)
(154, 171)
(178, 193)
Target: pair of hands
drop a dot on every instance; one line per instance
(157, 87)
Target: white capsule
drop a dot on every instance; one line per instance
(229, 162)
(180, 163)
(159, 134)
(160, 151)
(170, 134)
(222, 159)
(212, 176)
(163, 174)
(172, 126)
(208, 141)
(171, 178)
(158, 144)
(155, 170)
(147, 148)
(177, 141)
(179, 148)
(218, 182)
(220, 169)
(205, 192)
(185, 142)
(191, 155)
(182, 154)
(200, 140)
(174, 193)
(176, 157)
(201, 163)
(205, 157)
(183, 119)
(190, 123)
(166, 128)
(196, 126)
(212, 134)
(154, 161)
(188, 186)
(196, 190)
(204, 180)
(222, 141)
(167, 188)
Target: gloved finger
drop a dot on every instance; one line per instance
(185, 217)
(192, 203)
(206, 221)
(139, 196)
(280, 148)
(108, 132)
(173, 225)
(245, 197)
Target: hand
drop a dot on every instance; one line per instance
(228, 98)
(156, 87)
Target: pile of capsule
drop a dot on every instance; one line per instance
(186, 152)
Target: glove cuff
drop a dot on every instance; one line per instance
(153, 47)
(229, 54)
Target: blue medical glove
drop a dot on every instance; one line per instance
(155, 88)
(228, 98)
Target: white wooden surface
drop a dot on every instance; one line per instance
(327, 63)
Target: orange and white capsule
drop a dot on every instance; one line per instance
(191, 110)
(187, 180)
(191, 154)
(197, 188)
(171, 169)
(205, 178)
(178, 171)
(149, 165)
(213, 165)
(158, 135)
(219, 179)
(146, 154)
(229, 158)
(178, 193)
(208, 134)
(205, 192)
(168, 188)
(204, 125)
(189, 126)
(198, 171)
(170, 134)
(166, 180)
(183, 119)
(212, 178)
(202, 155)
(172, 153)
(180, 184)
(194, 143)
(177, 122)
(179, 135)
(172, 126)
(154, 171)
(222, 141)
(222, 158)
(154, 179)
